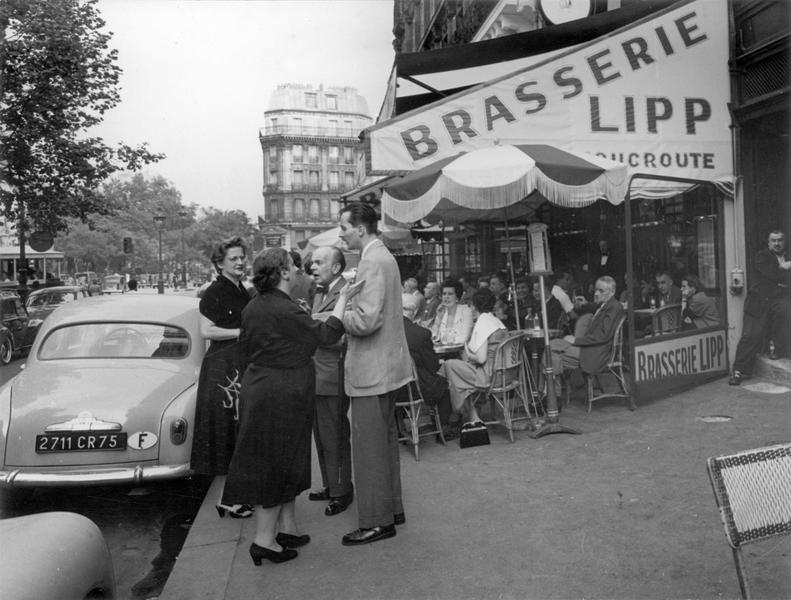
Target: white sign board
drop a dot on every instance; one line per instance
(684, 356)
(652, 95)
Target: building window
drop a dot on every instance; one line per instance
(348, 128)
(310, 100)
(273, 125)
(272, 152)
(299, 208)
(348, 180)
(313, 154)
(333, 154)
(314, 180)
(296, 153)
(297, 123)
(334, 181)
(314, 208)
(333, 128)
(296, 180)
(332, 102)
(272, 177)
(325, 209)
(348, 155)
(299, 235)
(274, 209)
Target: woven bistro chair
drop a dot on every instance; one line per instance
(667, 319)
(615, 367)
(507, 391)
(753, 492)
(411, 410)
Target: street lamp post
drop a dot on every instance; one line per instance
(183, 213)
(159, 219)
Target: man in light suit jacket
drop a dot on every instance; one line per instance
(331, 424)
(591, 350)
(377, 364)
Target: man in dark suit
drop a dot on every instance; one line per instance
(767, 308)
(666, 290)
(434, 386)
(377, 364)
(591, 350)
(331, 424)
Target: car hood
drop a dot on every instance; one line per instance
(131, 393)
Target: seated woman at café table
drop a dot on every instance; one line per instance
(453, 322)
(474, 369)
(700, 310)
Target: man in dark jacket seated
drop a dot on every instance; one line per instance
(434, 386)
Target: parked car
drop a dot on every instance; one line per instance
(23, 329)
(54, 556)
(41, 303)
(107, 395)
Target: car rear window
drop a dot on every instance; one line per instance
(115, 340)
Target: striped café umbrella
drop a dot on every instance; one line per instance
(491, 183)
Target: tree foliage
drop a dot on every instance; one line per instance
(97, 244)
(58, 78)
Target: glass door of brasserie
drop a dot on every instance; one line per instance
(676, 304)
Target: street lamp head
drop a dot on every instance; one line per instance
(183, 213)
(160, 219)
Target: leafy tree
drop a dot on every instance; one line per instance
(57, 79)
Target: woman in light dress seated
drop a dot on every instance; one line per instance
(453, 322)
(474, 369)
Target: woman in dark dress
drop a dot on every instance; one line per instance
(271, 463)
(216, 410)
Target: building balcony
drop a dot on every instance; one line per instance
(305, 131)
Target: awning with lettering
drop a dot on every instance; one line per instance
(653, 95)
(419, 78)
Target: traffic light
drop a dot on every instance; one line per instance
(129, 247)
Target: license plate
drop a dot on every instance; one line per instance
(80, 441)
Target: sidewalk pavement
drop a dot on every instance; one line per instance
(623, 510)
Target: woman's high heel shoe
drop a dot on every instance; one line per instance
(237, 511)
(257, 553)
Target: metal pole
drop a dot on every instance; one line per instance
(183, 258)
(161, 282)
(552, 424)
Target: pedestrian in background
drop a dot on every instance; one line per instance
(303, 287)
(331, 428)
(377, 364)
(271, 463)
(767, 309)
(217, 409)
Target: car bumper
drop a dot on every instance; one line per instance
(92, 476)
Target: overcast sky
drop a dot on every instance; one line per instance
(198, 76)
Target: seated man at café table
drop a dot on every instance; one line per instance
(591, 349)
(666, 291)
(434, 386)
(474, 369)
(699, 309)
(425, 316)
(453, 322)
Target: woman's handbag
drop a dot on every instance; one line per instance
(473, 434)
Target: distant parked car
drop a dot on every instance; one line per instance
(41, 303)
(107, 394)
(54, 556)
(23, 329)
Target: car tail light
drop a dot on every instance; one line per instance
(178, 431)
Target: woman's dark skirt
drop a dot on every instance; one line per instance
(271, 464)
(214, 437)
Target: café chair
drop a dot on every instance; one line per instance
(507, 391)
(667, 319)
(411, 410)
(752, 489)
(614, 366)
